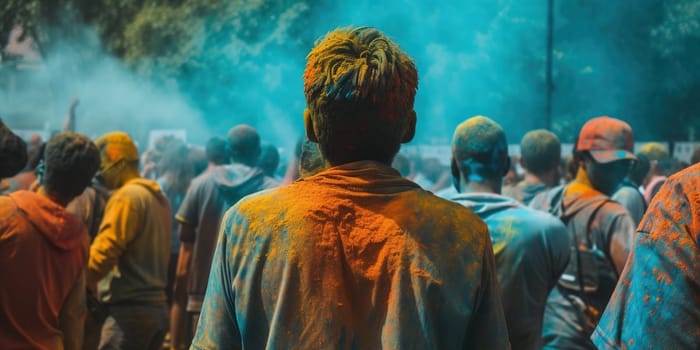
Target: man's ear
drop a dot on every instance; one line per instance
(410, 130)
(456, 176)
(309, 125)
(506, 166)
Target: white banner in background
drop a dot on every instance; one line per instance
(681, 150)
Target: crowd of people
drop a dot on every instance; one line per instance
(353, 244)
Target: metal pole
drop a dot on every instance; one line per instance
(550, 85)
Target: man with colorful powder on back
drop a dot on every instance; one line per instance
(600, 233)
(655, 304)
(531, 247)
(354, 256)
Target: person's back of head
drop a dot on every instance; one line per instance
(244, 144)
(639, 169)
(13, 152)
(604, 153)
(480, 152)
(695, 158)
(432, 169)
(654, 151)
(176, 167)
(540, 152)
(359, 88)
(198, 157)
(161, 143)
(119, 159)
(660, 160)
(402, 164)
(269, 159)
(216, 150)
(70, 162)
(311, 160)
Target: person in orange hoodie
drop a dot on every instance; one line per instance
(355, 256)
(43, 252)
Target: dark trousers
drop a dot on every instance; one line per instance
(134, 327)
(190, 328)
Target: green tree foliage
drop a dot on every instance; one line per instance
(676, 42)
(632, 59)
(45, 20)
(201, 47)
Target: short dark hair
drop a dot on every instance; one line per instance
(71, 160)
(244, 144)
(540, 151)
(360, 89)
(695, 158)
(639, 169)
(177, 167)
(269, 159)
(216, 150)
(198, 157)
(480, 149)
(13, 152)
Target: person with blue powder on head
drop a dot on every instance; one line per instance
(531, 247)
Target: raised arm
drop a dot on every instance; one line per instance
(69, 121)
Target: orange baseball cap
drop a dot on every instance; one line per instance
(607, 139)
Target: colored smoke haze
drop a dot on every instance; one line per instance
(478, 57)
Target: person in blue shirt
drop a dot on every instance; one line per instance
(531, 247)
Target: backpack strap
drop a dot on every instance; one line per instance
(589, 222)
(555, 202)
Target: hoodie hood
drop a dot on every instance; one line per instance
(235, 181)
(573, 197)
(578, 196)
(151, 186)
(61, 228)
(485, 204)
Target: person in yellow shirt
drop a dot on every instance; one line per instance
(129, 256)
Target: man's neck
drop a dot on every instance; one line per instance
(548, 179)
(532, 179)
(128, 176)
(60, 201)
(479, 187)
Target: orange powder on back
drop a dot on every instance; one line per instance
(351, 246)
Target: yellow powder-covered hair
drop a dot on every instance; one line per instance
(359, 88)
